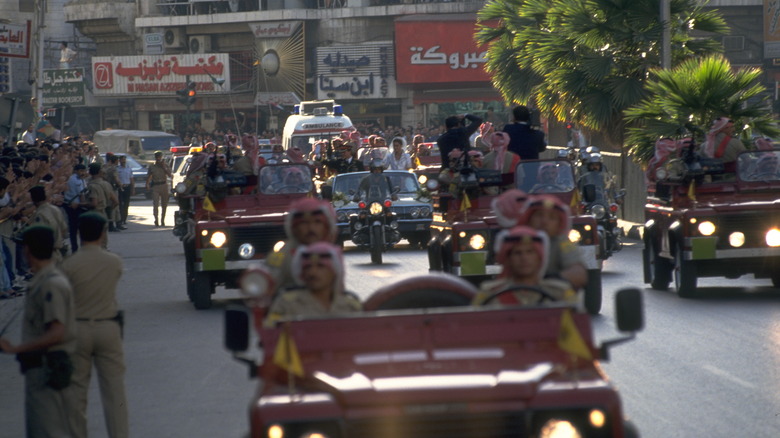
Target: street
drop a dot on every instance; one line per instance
(705, 367)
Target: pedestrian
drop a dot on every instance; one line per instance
(28, 136)
(48, 339)
(94, 274)
(457, 135)
(157, 184)
(126, 190)
(75, 202)
(523, 139)
(51, 216)
(67, 55)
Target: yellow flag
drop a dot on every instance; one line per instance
(692, 191)
(417, 162)
(286, 354)
(575, 202)
(466, 203)
(208, 205)
(569, 338)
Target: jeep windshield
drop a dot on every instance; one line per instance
(285, 179)
(348, 183)
(758, 166)
(545, 176)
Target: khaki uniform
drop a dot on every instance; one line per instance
(112, 177)
(159, 183)
(558, 289)
(99, 195)
(94, 274)
(280, 265)
(300, 302)
(51, 216)
(562, 255)
(49, 298)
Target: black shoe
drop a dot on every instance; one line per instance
(113, 229)
(162, 223)
(121, 227)
(156, 223)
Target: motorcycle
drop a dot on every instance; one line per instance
(596, 203)
(374, 227)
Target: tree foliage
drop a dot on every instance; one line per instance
(683, 102)
(586, 60)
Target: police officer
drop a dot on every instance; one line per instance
(47, 330)
(101, 193)
(157, 183)
(94, 274)
(51, 216)
(111, 175)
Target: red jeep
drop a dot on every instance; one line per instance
(420, 362)
(704, 222)
(243, 225)
(462, 238)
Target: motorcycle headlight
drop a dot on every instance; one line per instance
(218, 239)
(415, 213)
(477, 242)
(574, 236)
(256, 281)
(422, 179)
(375, 208)
(246, 251)
(358, 225)
(432, 185)
(181, 188)
(706, 228)
(394, 225)
(598, 211)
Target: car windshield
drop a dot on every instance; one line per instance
(131, 162)
(545, 176)
(758, 166)
(348, 183)
(160, 143)
(285, 179)
(306, 142)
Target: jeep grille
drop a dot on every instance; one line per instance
(456, 425)
(262, 238)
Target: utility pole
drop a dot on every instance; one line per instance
(666, 36)
(36, 75)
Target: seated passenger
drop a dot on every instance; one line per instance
(499, 158)
(766, 168)
(449, 177)
(522, 253)
(319, 271)
(665, 149)
(722, 144)
(293, 180)
(546, 179)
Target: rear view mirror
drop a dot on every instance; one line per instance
(629, 310)
(237, 329)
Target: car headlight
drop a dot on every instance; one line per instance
(706, 228)
(246, 251)
(341, 217)
(218, 239)
(477, 241)
(737, 239)
(574, 236)
(598, 211)
(375, 208)
(425, 211)
(415, 213)
(773, 237)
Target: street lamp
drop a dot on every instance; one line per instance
(221, 82)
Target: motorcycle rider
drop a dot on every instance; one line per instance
(375, 186)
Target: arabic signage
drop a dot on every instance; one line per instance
(771, 29)
(274, 29)
(63, 86)
(15, 40)
(360, 71)
(277, 98)
(5, 74)
(438, 52)
(158, 75)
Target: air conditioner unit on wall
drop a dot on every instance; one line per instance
(200, 43)
(174, 38)
(733, 43)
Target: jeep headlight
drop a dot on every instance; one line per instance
(477, 241)
(773, 237)
(218, 239)
(574, 236)
(598, 211)
(555, 428)
(706, 228)
(246, 251)
(375, 208)
(737, 239)
(275, 431)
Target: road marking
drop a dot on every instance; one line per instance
(722, 373)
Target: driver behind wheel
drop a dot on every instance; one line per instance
(318, 270)
(522, 252)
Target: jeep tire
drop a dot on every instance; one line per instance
(202, 288)
(684, 275)
(657, 268)
(593, 292)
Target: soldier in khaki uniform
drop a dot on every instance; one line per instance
(47, 329)
(319, 270)
(101, 194)
(157, 182)
(308, 221)
(51, 216)
(111, 176)
(94, 274)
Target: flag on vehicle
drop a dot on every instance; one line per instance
(208, 205)
(286, 354)
(692, 191)
(466, 203)
(575, 202)
(570, 339)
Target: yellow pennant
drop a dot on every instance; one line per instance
(692, 191)
(466, 203)
(286, 354)
(208, 205)
(570, 339)
(575, 202)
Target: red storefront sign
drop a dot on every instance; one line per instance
(438, 52)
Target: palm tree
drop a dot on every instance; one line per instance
(586, 60)
(683, 102)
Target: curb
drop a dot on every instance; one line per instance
(632, 230)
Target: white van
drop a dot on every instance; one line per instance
(139, 144)
(311, 121)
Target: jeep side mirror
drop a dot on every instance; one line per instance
(589, 193)
(237, 329)
(326, 192)
(629, 310)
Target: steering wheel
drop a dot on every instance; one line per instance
(543, 294)
(546, 188)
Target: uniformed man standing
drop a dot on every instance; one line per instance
(94, 273)
(51, 216)
(126, 190)
(111, 176)
(101, 194)
(157, 183)
(47, 331)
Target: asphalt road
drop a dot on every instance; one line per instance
(705, 367)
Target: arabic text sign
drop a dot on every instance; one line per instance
(356, 71)
(438, 52)
(274, 29)
(155, 75)
(15, 40)
(63, 86)
(277, 98)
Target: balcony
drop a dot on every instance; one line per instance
(103, 21)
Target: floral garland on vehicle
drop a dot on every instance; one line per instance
(423, 195)
(340, 199)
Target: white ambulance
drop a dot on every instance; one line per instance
(312, 121)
